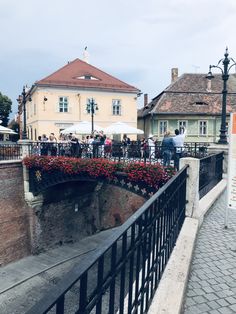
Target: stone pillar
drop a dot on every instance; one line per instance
(26, 145)
(192, 195)
(35, 204)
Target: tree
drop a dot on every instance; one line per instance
(5, 109)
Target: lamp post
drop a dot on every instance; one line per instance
(22, 100)
(225, 76)
(91, 107)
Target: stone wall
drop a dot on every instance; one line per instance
(14, 226)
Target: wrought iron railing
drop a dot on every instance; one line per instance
(10, 151)
(211, 171)
(116, 151)
(121, 276)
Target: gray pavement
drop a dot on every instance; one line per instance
(212, 282)
(24, 282)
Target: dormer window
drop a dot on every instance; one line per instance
(87, 77)
(200, 103)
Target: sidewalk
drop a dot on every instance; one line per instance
(23, 282)
(211, 287)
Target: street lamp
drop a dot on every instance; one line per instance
(225, 76)
(22, 101)
(91, 107)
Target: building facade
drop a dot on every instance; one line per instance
(62, 99)
(191, 101)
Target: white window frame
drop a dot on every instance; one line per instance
(201, 127)
(63, 104)
(116, 107)
(182, 123)
(162, 129)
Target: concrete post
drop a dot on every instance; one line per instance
(192, 184)
(26, 144)
(35, 204)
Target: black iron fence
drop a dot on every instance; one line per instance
(10, 151)
(121, 276)
(211, 170)
(115, 151)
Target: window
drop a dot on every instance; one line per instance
(162, 127)
(116, 107)
(63, 104)
(182, 123)
(203, 127)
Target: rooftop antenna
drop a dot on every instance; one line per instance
(86, 55)
(196, 68)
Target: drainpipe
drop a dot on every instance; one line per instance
(152, 123)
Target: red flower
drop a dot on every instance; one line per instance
(154, 175)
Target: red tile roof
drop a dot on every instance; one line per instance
(189, 95)
(71, 76)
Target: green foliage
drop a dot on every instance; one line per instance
(5, 109)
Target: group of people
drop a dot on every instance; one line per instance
(69, 145)
(172, 146)
(99, 145)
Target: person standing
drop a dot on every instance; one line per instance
(75, 147)
(178, 140)
(151, 146)
(125, 144)
(167, 148)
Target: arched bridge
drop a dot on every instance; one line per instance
(142, 179)
(40, 181)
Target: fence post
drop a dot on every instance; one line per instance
(25, 144)
(192, 193)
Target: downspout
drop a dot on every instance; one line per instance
(152, 123)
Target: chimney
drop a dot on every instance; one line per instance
(174, 74)
(208, 85)
(145, 100)
(86, 55)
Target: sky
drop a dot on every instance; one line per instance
(137, 41)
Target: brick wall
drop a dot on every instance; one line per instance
(68, 212)
(74, 210)
(14, 228)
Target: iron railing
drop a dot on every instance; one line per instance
(116, 151)
(211, 171)
(10, 151)
(122, 275)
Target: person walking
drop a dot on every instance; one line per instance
(167, 148)
(178, 140)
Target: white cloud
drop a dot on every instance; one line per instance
(137, 41)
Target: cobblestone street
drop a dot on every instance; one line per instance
(212, 283)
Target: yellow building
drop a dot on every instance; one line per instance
(61, 100)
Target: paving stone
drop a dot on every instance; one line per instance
(212, 280)
(222, 302)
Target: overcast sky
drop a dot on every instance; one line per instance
(137, 41)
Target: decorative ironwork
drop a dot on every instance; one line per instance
(10, 152)
(211, 170)
(40, 181)
(124, 272)
(114, 152)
